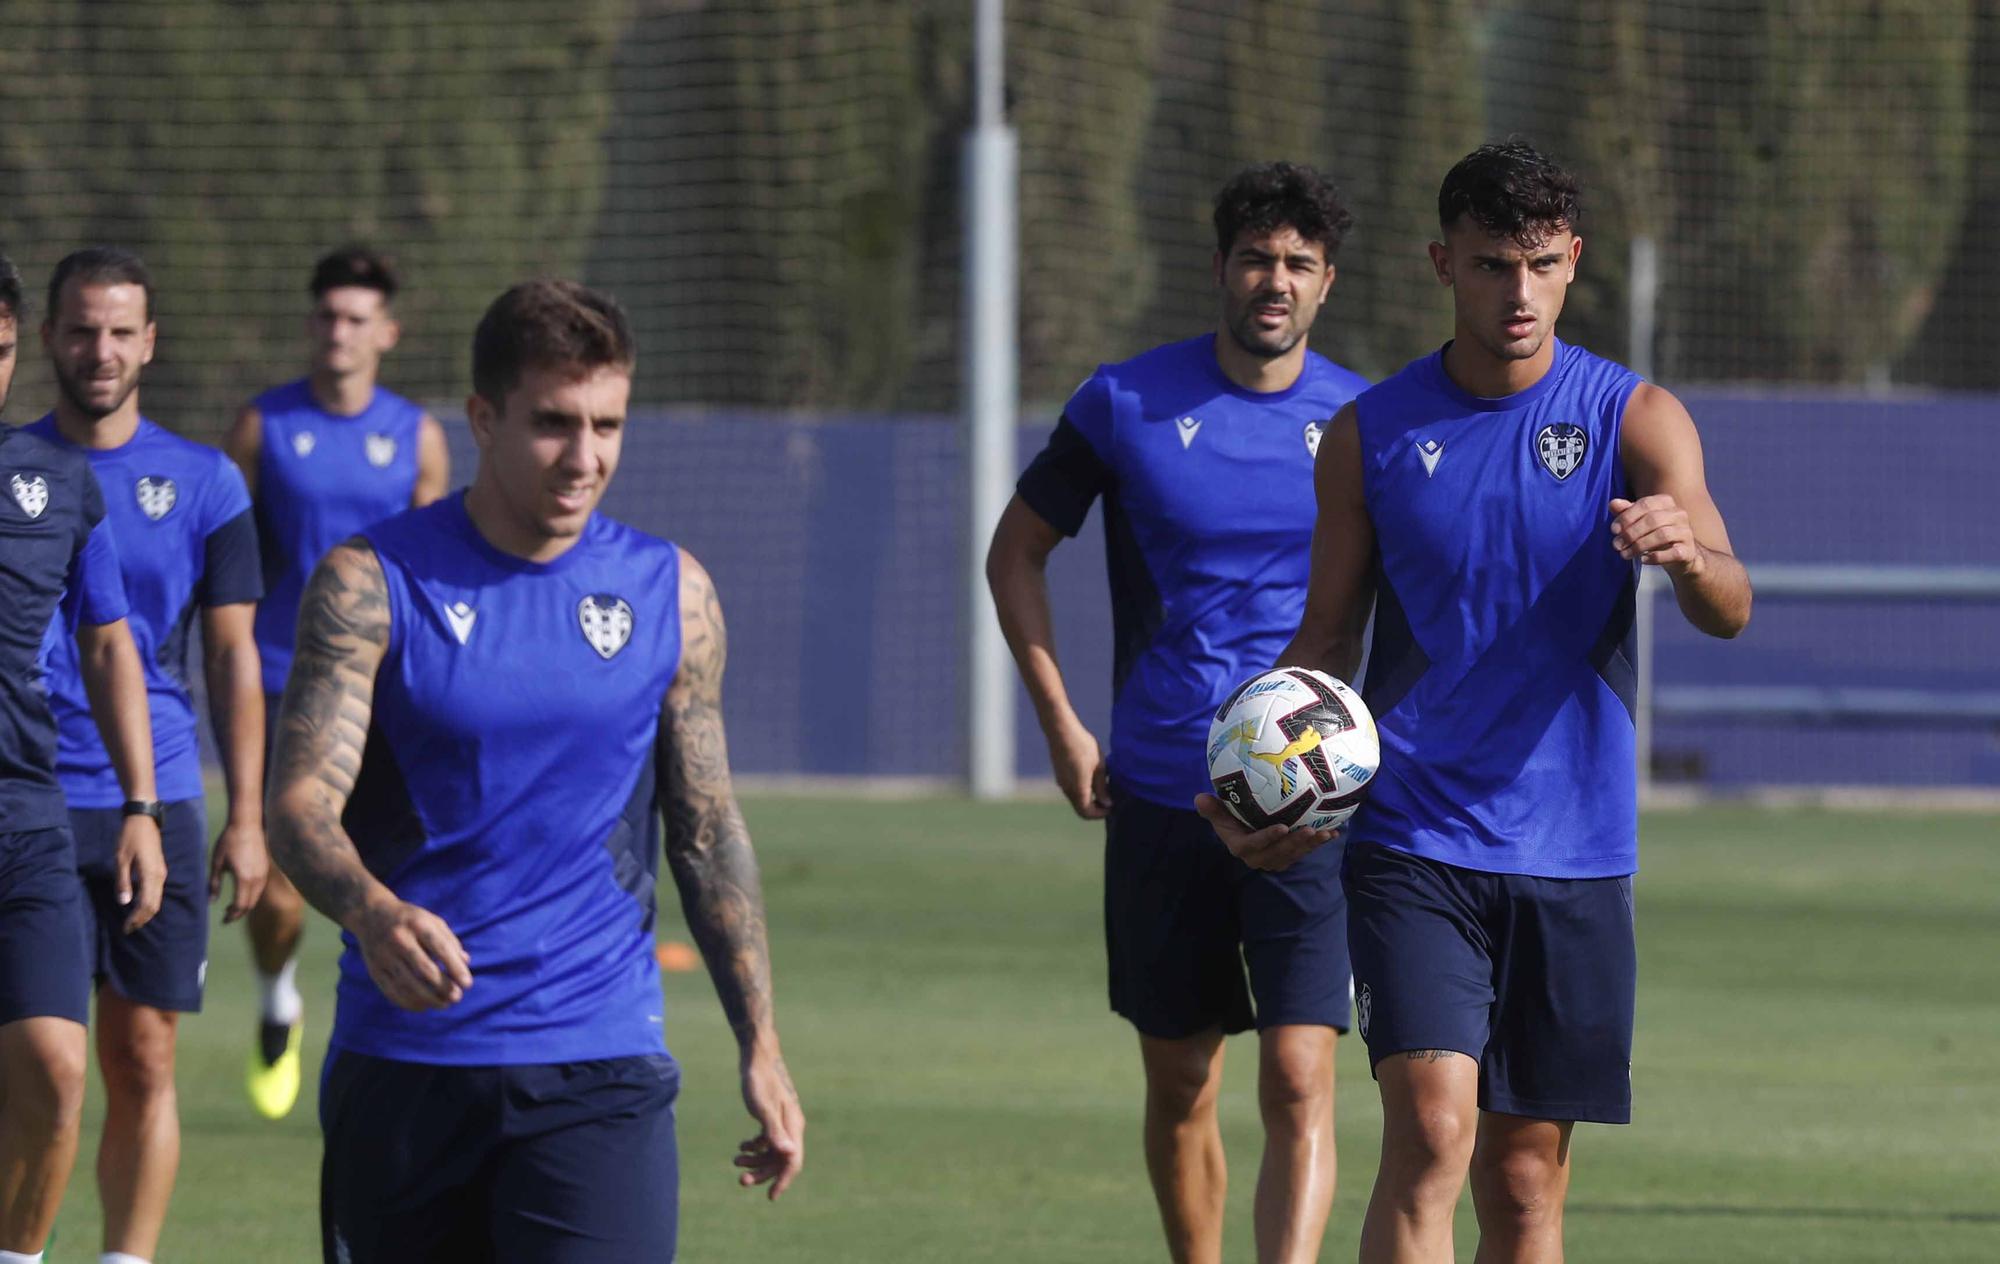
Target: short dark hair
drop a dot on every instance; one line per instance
(354, 266)
(1274, 195)
(100, 265)
(1513, 190)
(548, 324)
(10, 289)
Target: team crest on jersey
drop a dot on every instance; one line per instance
(381, 450)
(157, 495)
(1314, 429)
(303, 443)
(1561, 448)
(606, 620)
(31, 494)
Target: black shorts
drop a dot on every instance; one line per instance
(44, 957)
(165, 962)
(573, 1163)
(1184, 921)
(1533, 977)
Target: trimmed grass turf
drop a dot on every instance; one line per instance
(1817, 1073)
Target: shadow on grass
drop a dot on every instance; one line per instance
(1881, 1214)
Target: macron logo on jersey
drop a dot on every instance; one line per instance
(31, 494)
(1314, 429)
(1188, 426)
(1430, 451)
(461, 617)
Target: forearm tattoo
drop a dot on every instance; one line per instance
(707, 844)
(322, 727)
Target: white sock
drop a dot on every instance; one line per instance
(115, 1257)
(280, 1002)
(20, 1257)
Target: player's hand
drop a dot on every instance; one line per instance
(1081, 772)
(776, 1153)
(239, 852)
(141, 868)
(1271, 848)
(412, 955)
(1655, 530)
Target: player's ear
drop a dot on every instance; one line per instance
(1441, 262)
(1218, 267)
(392, 333)
(152, 336)
(1575, 251)
(480, 415)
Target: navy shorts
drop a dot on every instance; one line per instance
(44, 962)
(1184, 921)
(165, 962)
(573, 1163)
(1533, 977)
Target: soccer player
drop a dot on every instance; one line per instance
(323, 456)
(493, 698)
(1495, 500)
(181, 520)
(55, 552)
(1206, 586)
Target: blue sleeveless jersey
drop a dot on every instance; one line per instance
(320, 479)
(56, 553)
(1208, 516)
(507, 786)
(181, 518)
(1501, 667)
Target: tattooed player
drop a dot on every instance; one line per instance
(491, 699)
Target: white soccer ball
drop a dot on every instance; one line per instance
(1293, 747)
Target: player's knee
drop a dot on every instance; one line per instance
(1521, 1185)
(1294, 1086)
(1432, 1146)
(45, 1088)
(1179, 1088)
(138, 1063)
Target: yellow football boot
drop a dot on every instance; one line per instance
(272, 1079)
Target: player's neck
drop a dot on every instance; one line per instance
(342, 394)
(505, 530)
(1264, 374)
(1477, 371)
(113, 430)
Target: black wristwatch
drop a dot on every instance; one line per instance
(147, 807)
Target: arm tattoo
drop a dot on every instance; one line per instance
(707, 845)
(1429, 1055)
(322, 726)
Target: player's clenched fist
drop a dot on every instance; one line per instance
(412, 955)
(1656, 531)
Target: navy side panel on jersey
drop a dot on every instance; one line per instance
(55, 548)
(1500, 671)
(321, 478)
(507, 786)
(1208, 516)
(181, 518)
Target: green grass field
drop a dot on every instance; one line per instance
(1817, 1074)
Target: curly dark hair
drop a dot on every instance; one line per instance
(1274, 195)
(545, 324)
(1511, 189)
(356, 266)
